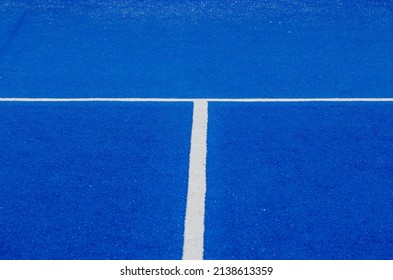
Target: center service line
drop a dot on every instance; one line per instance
(194, 227)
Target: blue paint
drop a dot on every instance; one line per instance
(280, 48)
(6, 44)
(300, 181)
(93, 181)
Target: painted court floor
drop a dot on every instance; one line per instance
(196, 130)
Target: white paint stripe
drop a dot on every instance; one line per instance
(261, 100)
(194, 227)
(267, 100)
(96, 100)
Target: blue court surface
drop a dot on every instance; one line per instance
(300, 181)
(93, 181)
(196, 129)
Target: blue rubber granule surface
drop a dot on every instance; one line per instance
(93, 181)
(294, 181)
(214, 48)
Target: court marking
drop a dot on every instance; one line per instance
(194, 227)
(262, 100)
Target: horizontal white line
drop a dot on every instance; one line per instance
(95, 100)
(259, 100)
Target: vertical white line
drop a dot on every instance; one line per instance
(195, 211)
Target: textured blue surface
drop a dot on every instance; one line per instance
(108, 181)
(279, 48)
(293, 181)
(91, 181)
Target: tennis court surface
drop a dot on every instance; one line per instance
(196, 130)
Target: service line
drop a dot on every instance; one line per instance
(240, 100)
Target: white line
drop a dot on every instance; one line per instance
(258, 100)
(95, 100)
(194, 227)
(267, 100)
